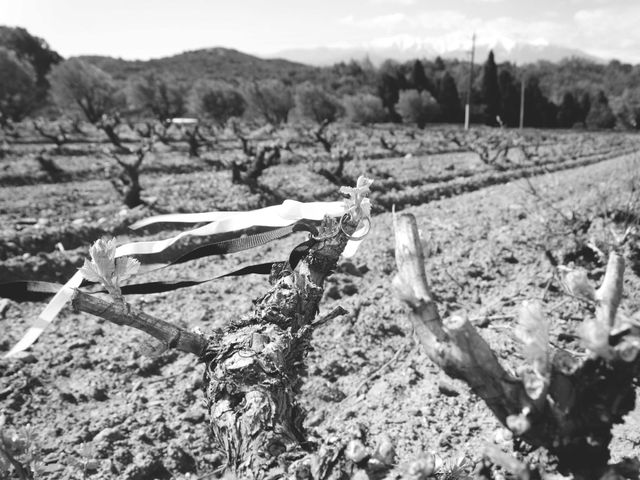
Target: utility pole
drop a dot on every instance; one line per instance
(522, 101)
(467, 107)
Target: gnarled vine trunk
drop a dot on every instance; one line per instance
(253, 370)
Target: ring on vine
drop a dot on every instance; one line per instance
(359, 237)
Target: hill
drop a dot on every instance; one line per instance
(215, 63)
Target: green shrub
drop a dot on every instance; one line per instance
(364, 109)
(600, 114)
(626, 108)
(313, 103)
(417, 107)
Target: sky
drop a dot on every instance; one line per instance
(142, 29)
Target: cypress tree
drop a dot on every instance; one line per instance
(388, 91)
(538, 110)
(568, 112)
(585, 106)
(490, 90)
(419, 79)
(449, 99)
(509, 99)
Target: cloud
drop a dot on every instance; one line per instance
(585, 2)
(388, 21)
(347, 20)
(450, 29)
(603, 31)
(610, 31)
(405, 3)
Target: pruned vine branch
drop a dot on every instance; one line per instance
(453, 344)
(59, 138)
(565, 403)
(123, 314)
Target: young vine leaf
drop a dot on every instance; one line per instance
(106, 269)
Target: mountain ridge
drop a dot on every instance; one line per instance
(216, 63)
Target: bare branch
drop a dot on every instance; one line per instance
(123, 314)
(120, 162)
(320, 134)
(390, 145)
(59, 138)
(454, 345)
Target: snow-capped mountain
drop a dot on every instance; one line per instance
(402, 49)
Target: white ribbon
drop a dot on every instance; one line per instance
(289, 212)
(47, 316)
(351, 247)
(289, 209)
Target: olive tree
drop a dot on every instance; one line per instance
(364, 109)
(314, 103)
(78, 85)
(159, 95)
(218, 101)
(17, 87)
(33, 50)
(271, 99)
(417, 107)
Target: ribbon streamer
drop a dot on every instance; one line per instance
(37, 291)
(288, 213)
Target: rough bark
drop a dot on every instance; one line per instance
(253, 371)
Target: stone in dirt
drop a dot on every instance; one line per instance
(110, 435)
(194, 415)
(145, 467)
(447, 389)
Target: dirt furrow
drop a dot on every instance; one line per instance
(34, 256)
(86, 382)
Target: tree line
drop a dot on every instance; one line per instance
(35, 80)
